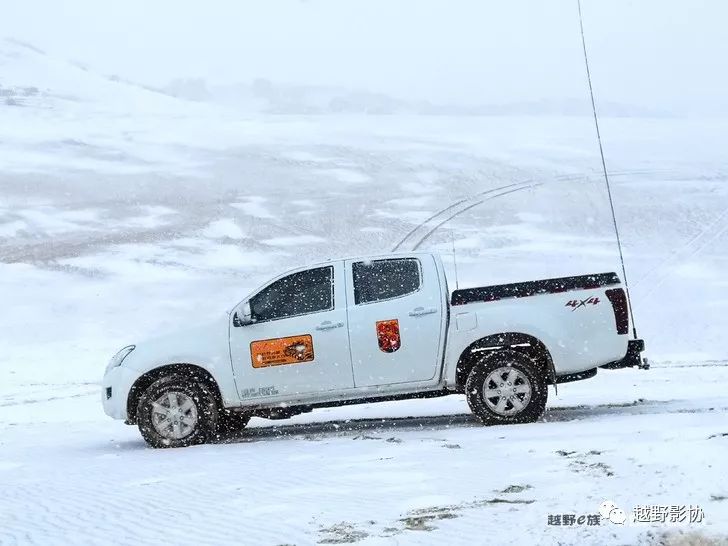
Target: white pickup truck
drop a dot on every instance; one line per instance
(366, 330)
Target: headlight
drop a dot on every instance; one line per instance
(119, 357)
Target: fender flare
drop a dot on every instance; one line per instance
(518, 341)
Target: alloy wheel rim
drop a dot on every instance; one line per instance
(507, 391)
(174, 415)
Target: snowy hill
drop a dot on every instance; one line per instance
(31, 78)
(265, 96)
(55, 112)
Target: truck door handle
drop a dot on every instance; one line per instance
(328, 325)
(420, 311)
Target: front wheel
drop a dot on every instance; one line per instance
(177, 412)
(506, 387)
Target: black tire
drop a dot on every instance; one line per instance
(525, 406)
(232, 422)
(184, 388)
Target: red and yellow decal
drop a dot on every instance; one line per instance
(388, 335)
(282, 350)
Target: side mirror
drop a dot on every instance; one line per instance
(243, 315)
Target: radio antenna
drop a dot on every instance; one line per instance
(454, 259)
(604, 167)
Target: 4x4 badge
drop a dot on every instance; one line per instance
(576, 304)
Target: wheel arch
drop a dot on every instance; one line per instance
(517, 341)
(191, 371)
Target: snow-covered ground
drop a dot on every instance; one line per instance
(416, 472)
(125, 212)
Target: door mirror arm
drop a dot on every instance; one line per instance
(243, 316)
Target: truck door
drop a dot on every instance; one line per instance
(298, 342)
(395, 320)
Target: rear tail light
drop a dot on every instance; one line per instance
(621, 313)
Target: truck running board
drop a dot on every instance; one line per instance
(569, 377)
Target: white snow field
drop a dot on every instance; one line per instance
(125, 213)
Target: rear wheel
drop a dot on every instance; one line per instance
(506, 387)
(175, 411)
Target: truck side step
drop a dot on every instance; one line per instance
(569, 377)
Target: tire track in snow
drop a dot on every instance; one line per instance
(435, 221)
(716, 228)
(354, 427)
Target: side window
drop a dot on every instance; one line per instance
(385, 279)
(300, 293)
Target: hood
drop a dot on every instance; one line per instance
(205, 344)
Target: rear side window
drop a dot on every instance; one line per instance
(300, 293)
(385, 279)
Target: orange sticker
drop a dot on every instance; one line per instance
(388, 335)
(282, 350)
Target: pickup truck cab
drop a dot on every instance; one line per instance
(371, 329)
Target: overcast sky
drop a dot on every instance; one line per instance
(664, 54)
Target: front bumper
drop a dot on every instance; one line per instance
(115, 389)
(633, 358)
